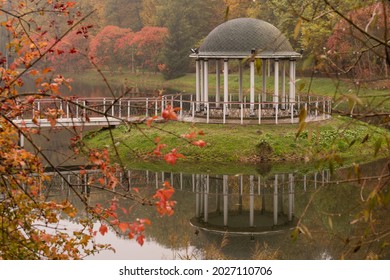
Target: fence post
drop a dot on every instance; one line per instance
(147, 107)
(181, 106)
(77, 108)
(128, 109)
(276, 113)
(259, 112)
(84, 109)
(112, 107)
(208, 112)
(120, 108)
(323, 108)
(241, 113)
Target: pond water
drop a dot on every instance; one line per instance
(234, 216)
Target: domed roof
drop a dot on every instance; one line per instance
(238, 38)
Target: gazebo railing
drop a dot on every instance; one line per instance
(316, 108)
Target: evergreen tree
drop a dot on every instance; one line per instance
(179, 41)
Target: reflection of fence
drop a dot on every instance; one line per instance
(106, 111)
(266, 200)
(190, 182)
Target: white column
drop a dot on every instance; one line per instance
(198, 85)
(292, 81)
(201, 81)
(218, 83)
(252, 87)
(276, 84)
(283, 84)
(264, 75)
(240, 95)
(269, 67)
(226, 85)
(292, 89)
(206, 84)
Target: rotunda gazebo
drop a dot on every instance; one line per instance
(250, 41)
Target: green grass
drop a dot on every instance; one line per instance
(371, 95)
(332, 143)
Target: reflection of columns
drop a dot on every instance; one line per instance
(217, 200)
(252, 86)
(206, 83)
(197, 63)
(251, 202)
(197, 197)
(240, 95)
(240, 194)
(225, 85)
(218, 83)
(201, 186)
(264, 76)
(263, 200)
(281, 195)
(290, 197)
(225, 200)
(206, 199)
(276, 200)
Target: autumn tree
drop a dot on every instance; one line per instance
(30, 222)
(354, 33)
(102, 46)
(350, 50)
(149, 42)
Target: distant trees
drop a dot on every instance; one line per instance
(350, 50)
(119, 47)
(148, 43)
(103, 44)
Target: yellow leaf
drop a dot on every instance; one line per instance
(297, 28)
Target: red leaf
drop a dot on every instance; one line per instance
(140, 239)
(103, 229)
(123, 227)
(171, 157)
(169, 113)
(199, 143)
(189, 135)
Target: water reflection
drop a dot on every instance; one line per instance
(245, 209)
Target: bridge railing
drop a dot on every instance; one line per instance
(140, 108)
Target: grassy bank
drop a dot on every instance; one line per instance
(337, 141)
(151, 81)
(372, 95)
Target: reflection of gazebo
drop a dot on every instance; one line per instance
(226, 217)
(248, 41)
